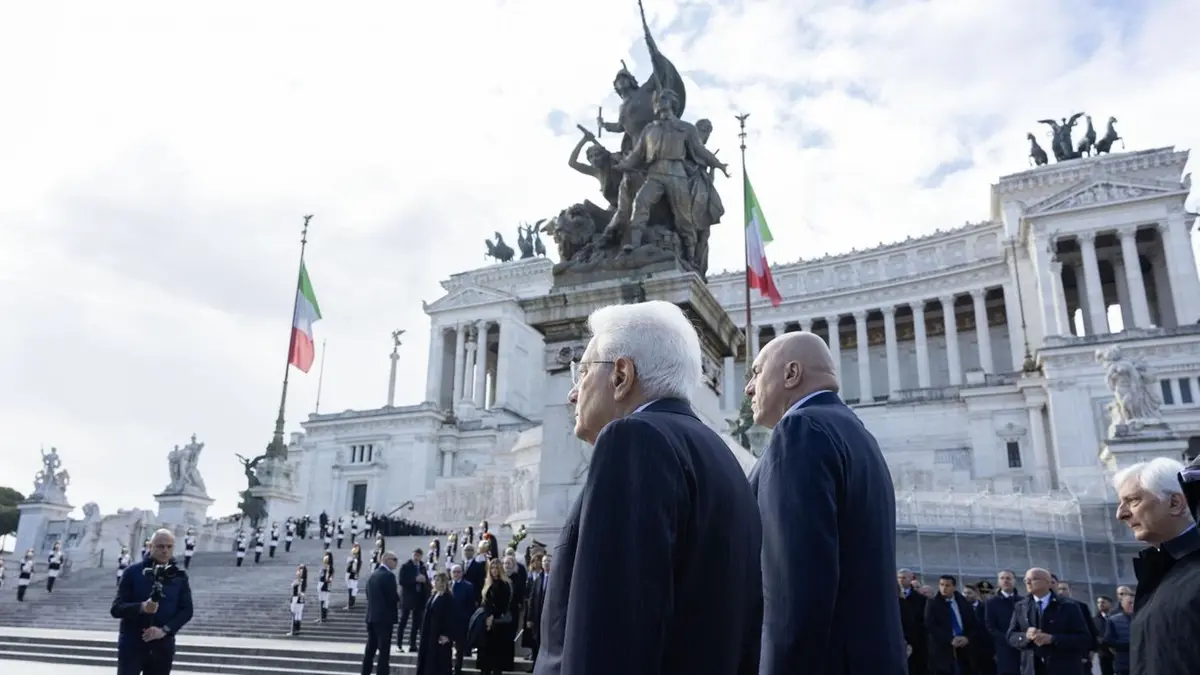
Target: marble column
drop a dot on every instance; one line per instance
(1012, 317)
(755, 343)
(1134, 282)
(922, 340)
(806, 325)
(481, 357)
(865, 391)
(437, 357)
(779, 329)
(983, 331)
(1062, 321)
(504, 358)
(447, 463)
(1181, 265)
(732, 392)
(835, 341)
(950, 321)
(893, 350)
(460, 362)
(468, 385)
(1097, 312)
(1041, 457)
(1040, 303)
(1123, 301)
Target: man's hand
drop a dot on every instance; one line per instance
(908, 650)
(149, 607)
(529, 624)
(1043, 639)
(1031, 633)
(958, 641)
(488, 623)
(443, 640)
(153, 633)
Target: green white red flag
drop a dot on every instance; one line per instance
(302, 351)
(758, 235)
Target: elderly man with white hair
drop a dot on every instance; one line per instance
(657, 563)
(1166, 618)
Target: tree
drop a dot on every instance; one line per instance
(9, 498)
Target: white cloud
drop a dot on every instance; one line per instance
(157, 163)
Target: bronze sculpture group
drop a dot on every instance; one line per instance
(660, 201)
(1061, 144)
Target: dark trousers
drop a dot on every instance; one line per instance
(271, 551)
(1106, 665)
(144, 658)
(187, 562)
(460, 650)
(418, 614)
(379, 641)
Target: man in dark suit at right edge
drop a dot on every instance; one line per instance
(829, 522)
(383, 600)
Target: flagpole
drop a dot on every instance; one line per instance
(746, 244)
(320, 378)
(277, 448)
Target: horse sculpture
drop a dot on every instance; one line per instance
(1037, 156)
(1087, 144)
(1104, 145)
(498, 250)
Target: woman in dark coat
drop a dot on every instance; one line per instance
(437, 631)
(495, 656)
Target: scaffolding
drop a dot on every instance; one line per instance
(973, 535)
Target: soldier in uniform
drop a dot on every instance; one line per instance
(299, 588)
(123, 563)
(54, 564)
(274, 540)
(24, 575)
(240, 547)
(325, 584)
(353, 567)
(663, 151)
(289, 533)
(189, 547)
(258, 545)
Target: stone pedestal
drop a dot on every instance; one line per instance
(561, 317)
(276, 490)
(36, 515)
(189, 509)
(1123, 450)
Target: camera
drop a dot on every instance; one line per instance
(160, 574)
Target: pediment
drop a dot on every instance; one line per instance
(468, 296)
(1098, 193)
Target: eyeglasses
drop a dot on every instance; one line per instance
(578, 369)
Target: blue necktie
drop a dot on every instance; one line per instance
(954, 624)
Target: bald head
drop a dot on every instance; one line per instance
(790, 367)
(162, 546)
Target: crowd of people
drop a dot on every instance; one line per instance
(55, 563)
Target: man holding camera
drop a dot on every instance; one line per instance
(154, 601)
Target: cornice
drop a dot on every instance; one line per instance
(531, 269)
(936, 237)
(1081, 170)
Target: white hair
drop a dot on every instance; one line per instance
(1159, 476)
(660, 341)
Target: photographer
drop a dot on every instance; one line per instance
(154, 601)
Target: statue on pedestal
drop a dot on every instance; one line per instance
(50, 483)
(1135, 404)
(184, 470)
(254, 508)
(658, 189)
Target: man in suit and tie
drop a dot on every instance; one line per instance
(382, 602)
(829, 522)
(656, 566)
(998, 613)
(414, 583)
(1051, 633)
(465, 602)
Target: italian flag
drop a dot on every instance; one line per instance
(301, 352)
(758, 235)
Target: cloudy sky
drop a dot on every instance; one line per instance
(156, 162)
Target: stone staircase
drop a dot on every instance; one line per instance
(251, 602)
(229, 601)
(200, 654)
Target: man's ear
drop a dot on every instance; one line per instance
(793, 374)
(623, 377)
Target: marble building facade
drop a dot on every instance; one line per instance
(970, 353)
